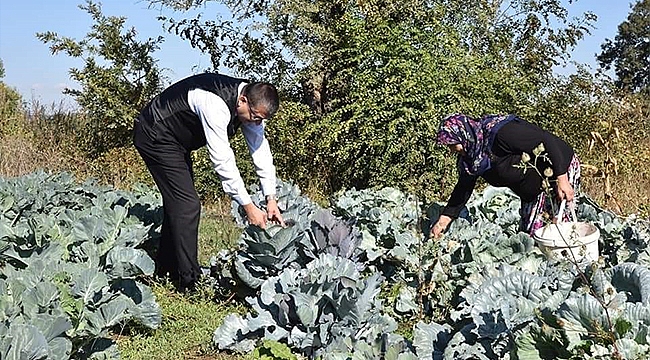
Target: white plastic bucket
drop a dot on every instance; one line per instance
(566, 238)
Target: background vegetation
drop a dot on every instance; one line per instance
(364, 87)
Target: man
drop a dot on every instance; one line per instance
(205, 109)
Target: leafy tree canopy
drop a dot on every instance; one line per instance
(376, 76)
(629, 53)
(118, 78)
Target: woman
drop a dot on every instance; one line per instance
(492, 148)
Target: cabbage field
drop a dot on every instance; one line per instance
(71, 265)
(357, 280)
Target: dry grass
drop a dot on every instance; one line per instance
(53, 139)
(119, 167)
(633, 195)
(24, 152)
(36, 137)
(20, 155)
(631, 187)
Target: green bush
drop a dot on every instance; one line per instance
(10, 109)
(206, 181)
(118, 78)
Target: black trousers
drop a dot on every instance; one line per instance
(171, 167)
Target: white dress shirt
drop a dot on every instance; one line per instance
(215, 116)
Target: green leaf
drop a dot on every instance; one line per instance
(622, 326)
(102, 349)
(273, 350)
(51, 326)
(40, 298)
(23, 342)
(60, 348)
(89, 285)
(126, 263)
(108, 315)
(525, 347)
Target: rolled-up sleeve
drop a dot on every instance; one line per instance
(260, 151)
(215, 116)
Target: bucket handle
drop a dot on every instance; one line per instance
(560, 212)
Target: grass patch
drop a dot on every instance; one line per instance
(188, 320)
(217, 231)
(186, 330)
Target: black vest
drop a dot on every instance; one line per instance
(170, 111)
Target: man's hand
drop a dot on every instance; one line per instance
(273, 211)
(564, 188)
(439, 226)
(255, 216)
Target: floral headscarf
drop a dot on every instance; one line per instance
(476, 137)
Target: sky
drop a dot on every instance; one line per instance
(40, 76)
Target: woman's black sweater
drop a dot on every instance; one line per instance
(511, 141)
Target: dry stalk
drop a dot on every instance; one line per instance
(609, 166)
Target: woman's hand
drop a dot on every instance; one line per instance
(564, 188)
(440, 226)
(273, 212)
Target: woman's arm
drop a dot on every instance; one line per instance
(559, 152)
(457, 200)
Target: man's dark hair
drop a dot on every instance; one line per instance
(263, 94)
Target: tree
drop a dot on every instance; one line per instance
(10, 104)
(629, 52)
(376, 75)
(118, 78)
